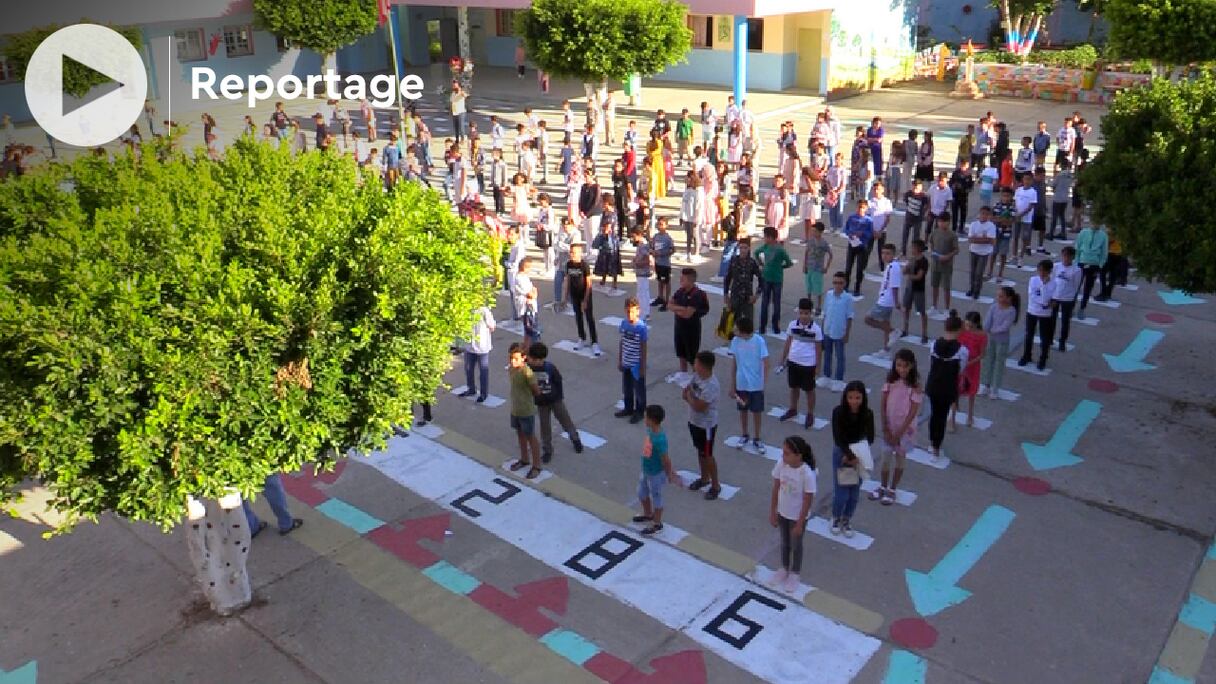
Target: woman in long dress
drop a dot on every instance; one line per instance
(658, 171)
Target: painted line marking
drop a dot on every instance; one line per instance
(766, 577)
(1003, 394)
(26, 674)
(491, 401)
(961, 418)
(923, 457)
(723, 352)
(9, 543)
(679, 379)
(905, 668)
(349, 516)
(1131, 359)
(1198, 613)
(1131, 287)
(778, 411)
(610, 292)
(612, 321)
(516, 327)
(916, 341)
(1088, 320)
(450, 577)
(938, 589)
(589, 440)
(1028, 368)
(880, 362)
(1163, 676)
(778, 336)
(1057, 452)
(770, 452)
(570, 646)
(984, 299)
(1179, 298)
(1110, 303)
(687, 477)
(545, 473)
(822, 527)
(430, 431)
(779, 641)
(568, 346)
(710, 288)
(902, 496)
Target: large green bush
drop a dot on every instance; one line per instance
(322, 26)
(1171, 32)
(1158, 154)
(173, 327)
(1078, 57)
(78, 79)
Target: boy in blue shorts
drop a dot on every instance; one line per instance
(749, 352)
(656, 471)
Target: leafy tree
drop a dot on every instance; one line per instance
(595, 40)
(78, 79)
(1159, 150)
(322, 26)
(1169, 32)
(1022, 20)
(173, 327)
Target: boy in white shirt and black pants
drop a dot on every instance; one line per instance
(1067, 278)
(1039, 295)
(981, 241)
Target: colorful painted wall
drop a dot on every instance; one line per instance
(878, 32)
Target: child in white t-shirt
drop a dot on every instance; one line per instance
(793, 492)
(888, 300)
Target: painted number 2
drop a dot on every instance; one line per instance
(508, 490)
(731, 614)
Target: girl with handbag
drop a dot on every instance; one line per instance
(852, 430)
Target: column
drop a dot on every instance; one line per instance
(462, 32)
(740, 58)
(395, 38)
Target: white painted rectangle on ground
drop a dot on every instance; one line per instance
(768, 578)
(589, 440)
(858, 298)
(722, 351)
(916, 341)
(1110, 303)
(610, 291)
(902, 496)
(938, 315)
(1002, 394)
(688, 477)
(710, 288)
(782, 641)
(778, 411)
(884, 363)
(669, 534)
(823, 527)
(521, 474)
(490, 402)
(829, 384)
(679, 379)
(516, 327)
(984, 299)
(612, 321)
(430, 431)
(1088, 320)
(1031, 368)
(772, 453)
(1130, 287)
(568, 346)
(925, 458)
(872, 277)
(980, 423)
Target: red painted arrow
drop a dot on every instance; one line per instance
(523, 610)
(310, 473)
(685, 667)
(402, 541)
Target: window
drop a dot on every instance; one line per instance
(755, 35)
(282, 44)
(191, 47)
(504, 22)
(238, 41)
(8, 72)
(702, 27)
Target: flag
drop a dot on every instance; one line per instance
(384, 7)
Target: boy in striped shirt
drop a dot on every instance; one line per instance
(631, 361)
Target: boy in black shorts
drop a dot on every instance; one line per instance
(914, 294)
(689, 304)
(662, 247)
(800, 358)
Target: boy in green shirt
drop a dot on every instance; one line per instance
(656, 471)
(773, 261)
(524, 390)
(683, 135)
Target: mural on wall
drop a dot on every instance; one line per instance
(724, 29)
(872, 32)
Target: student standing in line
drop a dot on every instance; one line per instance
(914, 293)
(1025, 201)
(578, 274)
(794, 489)
(656, 471)
(749, 354)
(887, 302)
(523, 412)
(999, 323)
(859, 231)
(981, 242)
(975, 340)
(852, 422)
(1092, 251)
(737, 287)
(880, 209)
(1067, 277)
(943, 248)
(550, 401)
(816, 260)
(837, 324)
(901, 401)
(834, 184)
(800, 357)
(562, 242)
(702, 395)
(1061, 196)
(774, 260)
(947, 357)
(916, 203)
(631, 361)
(641, 271)
(477, 354)
(662, 246)
(608, 255)
(689, 304)
(1039, 294)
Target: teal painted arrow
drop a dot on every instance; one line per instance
(905, 668)
(26, 674)
(938, 590)
(1132, 358)
(1178, 298)
(1057, 452)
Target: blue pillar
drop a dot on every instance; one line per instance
(394, 27)
(150, 64)
(740, 59)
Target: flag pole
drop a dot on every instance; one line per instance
(392, 36)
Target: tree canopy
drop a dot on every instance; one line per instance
(319, 25)
(78, 79)
(1171, 32)
(593, 40)
(1158, 154)
(173, 326)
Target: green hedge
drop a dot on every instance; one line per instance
(1079, 57)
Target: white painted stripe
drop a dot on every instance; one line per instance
(710, 289)
(491, 401)
(778, 411)
(1088, 320)
(1028, 368)
(779, 336)
(589, 440)
(873, 277)
(1130, 287)
(612, 321)
(792, 644)
(1003, 394)
(762, 575)
(516, 327)
(610, 292)
(885, 364)
(980, 423)
(430, 431)
(925, 458)
(722, 351)
(902, 496)
(984, 299)
(568, 346)
(678, 378)
(9, 543)
(915, 340)
(1110, 303)
(688, 477)
(545, 474)
(772, 453)
(823, 527)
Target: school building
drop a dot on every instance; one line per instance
(813, 45)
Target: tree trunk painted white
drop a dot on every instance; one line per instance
(217, 535)
(592, 96)
(462, 33)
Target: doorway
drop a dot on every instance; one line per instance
(810, 58)
(443, 41)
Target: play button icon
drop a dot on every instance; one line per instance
(108, 110)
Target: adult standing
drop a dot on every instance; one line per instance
(689, 304)
(458, 105)
(833, 133)
(477, 354)
(520, 60)
(272, 489)
(737, 288)
(874, 136)
(590, 205)
(609, 105)
(924, 159)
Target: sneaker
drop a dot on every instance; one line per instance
(545, 457)
(877, 494)
(713, 493)
(468, 393)
(623, 413)
(778, 579)
(657, 301)
(888, 497)
(1041, 365)
(758, 446)
(481, 400)
(809, 422)
(595, 349)
(787, 415)
(835, 529)
(924, 339)
(743, 441)
(642, 518)
(791, 583)
(1081, 314)
(652, 529)
(698, 484)
(636, 418)
(902, 333)
(846, 529)
(1022, 362)
(578, 345)
(578, 446)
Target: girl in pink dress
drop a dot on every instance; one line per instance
(975, 340)
(901, 400)
(521, 205)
